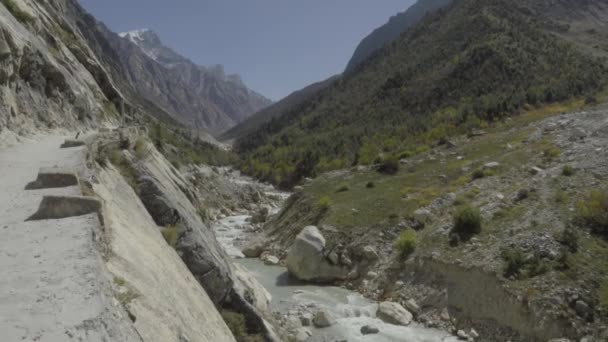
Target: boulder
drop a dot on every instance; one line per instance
(369, 253)
(394, 313)
(270, 260)
(59, 207)
(491, 165)
(323, 319)
(306, 259)
(69, 143)
(369, 330)
(302, 334)
(412, 306)
(423, 215)
(254, 248)
(306, 319)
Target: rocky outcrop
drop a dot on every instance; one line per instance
(164, 300)
(166, 195)
(394, 313)
(306, 259)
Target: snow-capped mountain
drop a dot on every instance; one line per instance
(199, 96)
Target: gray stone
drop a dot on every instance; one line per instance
(369, 330)
(59, 207)
(53, 178)
(423, 215)
(306, 319)
(306, 259)
(491, 165)
(323, 319)
(333, 257)
(69, 143)
(462, 335)
(270, 260)
(302, 334)
(582, 308)
(254, 248)
(369, 253)
(394, 313)
(412, 306)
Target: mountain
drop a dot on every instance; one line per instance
(275, 110)
(473, 63)
(390, 31)
(196, 96)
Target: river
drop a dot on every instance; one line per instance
(351, 309)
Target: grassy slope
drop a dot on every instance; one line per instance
(474, 61)
(374, 214)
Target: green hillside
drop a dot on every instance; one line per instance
(469, 64)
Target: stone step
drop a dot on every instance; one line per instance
(59, 207)
(53, 177)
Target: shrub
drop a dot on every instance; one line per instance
(238, 326)
(568, 171)
(467, 221)
(17, 12)
(551, 153)
(171, 235)
(514, 262)
(324, 203)
(140, 148)
(406, 243)
(481, 173)
(593, 211)
(370, 185)
(343, 187)
(388, 165)
(569, 238)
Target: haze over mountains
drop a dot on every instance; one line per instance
(197, 96)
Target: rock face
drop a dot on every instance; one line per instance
(306, 260)
(394, 313)
(162, 297)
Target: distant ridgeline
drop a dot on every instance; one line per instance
(460, 68)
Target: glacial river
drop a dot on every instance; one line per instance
(351, 310)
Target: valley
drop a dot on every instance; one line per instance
(450, 184)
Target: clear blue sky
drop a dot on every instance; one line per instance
(277, 46)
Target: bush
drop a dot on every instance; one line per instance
(238, 326)
(17, 12)
(569, 238)
(406, 243)
(514, 262)
(568, 171)
(370, 185)
(388, 165)
(551, 153)
(324, 203)
(593, 211)
(467, 222)
(140, 148)
(171, 235)
(481, 173)
(343, 188)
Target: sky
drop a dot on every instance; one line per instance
(276, 46)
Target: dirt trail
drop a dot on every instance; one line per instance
(52, 286)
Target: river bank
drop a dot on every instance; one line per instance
(294, 302)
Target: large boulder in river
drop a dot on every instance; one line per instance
(394, 313)
(306, 259)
